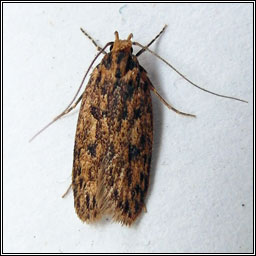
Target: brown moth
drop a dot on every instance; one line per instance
(114, 136)
(113, 143)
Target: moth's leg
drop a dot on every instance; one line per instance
(93, 41)
(152, 88)
(67, 191)
(56, 118)
(73, 106)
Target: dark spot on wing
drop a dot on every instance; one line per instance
(146, 183)
(93, 202)
(115, 194)
(141, 177)
(107, 60)
(95, 112)
(124, 113)
(130, 64)
(137, 189)
(133, 152)
(142, 141)
(142, 196)
(145, 86)
(81, 181)
(149, 160)
(145, 159)
(92, 149)
(129, 176)
(137, 113)
(130, 88)
(104, 113)
(118, 73)
(126, 206)
(128, 91)
(87, 201)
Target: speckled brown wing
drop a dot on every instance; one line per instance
(113, 143)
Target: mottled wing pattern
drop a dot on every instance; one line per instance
(113, 143)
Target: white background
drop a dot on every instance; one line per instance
(200, 195)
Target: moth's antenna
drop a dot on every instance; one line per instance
(197, 86)
(93, 41)
(143, 50)
(67, 108)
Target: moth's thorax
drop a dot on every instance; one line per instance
(120, 60)
(122, 45)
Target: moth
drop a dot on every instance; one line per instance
(114, 136)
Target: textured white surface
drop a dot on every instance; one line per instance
(200, 196)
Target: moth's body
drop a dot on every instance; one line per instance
(114, 135)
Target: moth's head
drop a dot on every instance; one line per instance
(122, 45)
